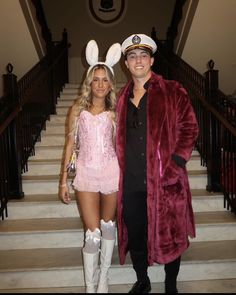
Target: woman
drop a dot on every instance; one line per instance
(92, 118)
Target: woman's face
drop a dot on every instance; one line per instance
(100, 85)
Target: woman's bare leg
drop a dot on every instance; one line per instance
(108, 207)
(89, 208)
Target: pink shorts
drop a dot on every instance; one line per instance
(104, 180)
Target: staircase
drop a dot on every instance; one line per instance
(41, 240)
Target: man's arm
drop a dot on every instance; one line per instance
(186, 128)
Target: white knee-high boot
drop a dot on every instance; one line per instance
(90, 269)
(106, 252)
(90, 259)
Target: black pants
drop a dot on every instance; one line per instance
(135, 218)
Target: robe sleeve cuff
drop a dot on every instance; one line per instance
(179, 160)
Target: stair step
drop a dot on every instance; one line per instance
(62, 267)
(54, 232)
(49, 183)
(201, 286)
(215, 226)
(47, 153)
(57, 119)
(41, 167)
(58, 128)
(49, 205)
(195, 163)
(204, 201)
(43, 150)
(70, 91)
(66, 100)
(50, 208)
(41, 233)
(71, 85)
(62, 110)
(48, 166)
(51, 140)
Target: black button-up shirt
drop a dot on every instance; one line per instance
(136, 139)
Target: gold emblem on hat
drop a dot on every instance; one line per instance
(136, 39)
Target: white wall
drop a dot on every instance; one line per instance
(17, 46)
(213, 36)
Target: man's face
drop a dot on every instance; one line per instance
(139, 62)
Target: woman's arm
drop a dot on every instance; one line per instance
(69, 144)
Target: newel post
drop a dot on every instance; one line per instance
(10, 88)
(213, 144)
(12, 100)
(212, 82)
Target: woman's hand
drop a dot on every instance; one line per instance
(64, 194)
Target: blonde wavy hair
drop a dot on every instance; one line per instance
(85, 100)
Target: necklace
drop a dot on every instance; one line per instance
(97, 110)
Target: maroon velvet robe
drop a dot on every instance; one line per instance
(171, 129)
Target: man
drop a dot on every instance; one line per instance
(156, 133)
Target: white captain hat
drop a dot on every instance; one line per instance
(138, 41)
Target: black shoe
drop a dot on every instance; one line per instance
(171, 291)
(141, 287)
(171, 286)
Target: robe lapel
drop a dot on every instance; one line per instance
(121, 125)
(156, 111)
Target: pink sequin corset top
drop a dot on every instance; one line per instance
(95, 136)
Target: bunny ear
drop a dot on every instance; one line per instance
(113, 54)
(91, 52)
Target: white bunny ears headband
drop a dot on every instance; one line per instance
(112, 57)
